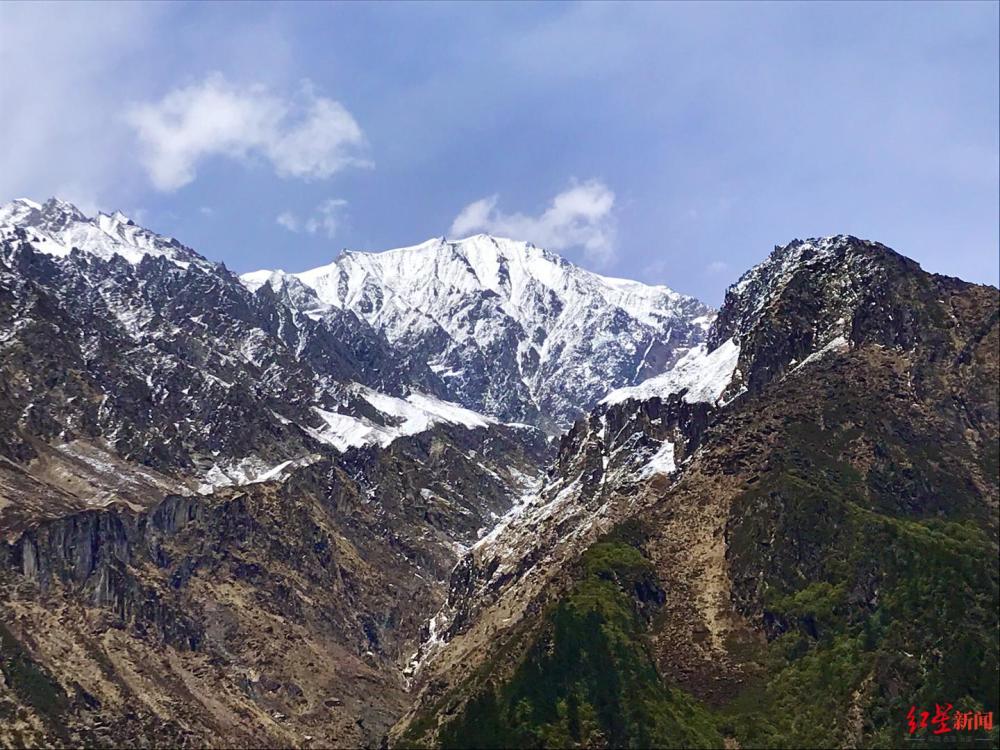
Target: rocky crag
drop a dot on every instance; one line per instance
(787, 541)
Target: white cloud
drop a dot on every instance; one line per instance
(579, 217)
(476, 216)
(307, 137)
(288, 220)
(717, 266)
(326, 219)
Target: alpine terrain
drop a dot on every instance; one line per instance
(468, 494)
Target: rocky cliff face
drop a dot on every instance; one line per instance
(813, 493)
(275, 612)
(133, 364)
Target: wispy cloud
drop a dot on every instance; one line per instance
(306, 136)
(289, 221)
(581, 216)
(326, 219)
(717, 266)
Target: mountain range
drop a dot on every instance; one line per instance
(468, 494)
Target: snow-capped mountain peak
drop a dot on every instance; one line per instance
(513, 330)
(57, 227)
(511, 268)
(500, 326)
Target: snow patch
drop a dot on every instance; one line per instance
(415, 414)
(703, 375)
(249, 470)
(838, 344)
(662, 461)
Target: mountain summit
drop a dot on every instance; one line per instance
(57, 227)
(511, 329)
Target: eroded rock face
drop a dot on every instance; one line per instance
(171, 366)
(302, 598)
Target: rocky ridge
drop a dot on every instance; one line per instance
(803, 429)
(139, 358)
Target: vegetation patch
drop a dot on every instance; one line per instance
(28, 680)
(871, 608)
(587, 680)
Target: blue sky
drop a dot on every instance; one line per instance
(672, 143)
